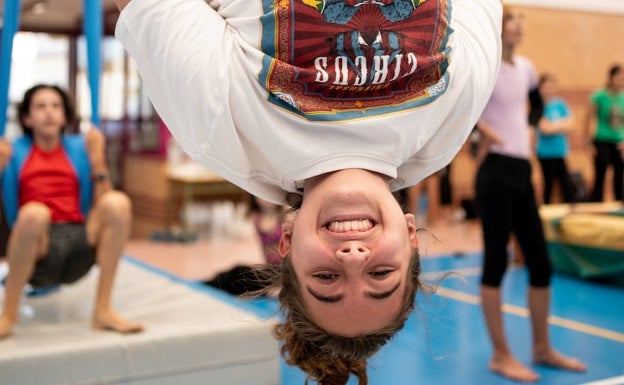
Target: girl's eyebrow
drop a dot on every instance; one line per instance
(385, 294)
(322, 298)
(338, 297)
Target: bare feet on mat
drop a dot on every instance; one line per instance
(555, 359)
(114, 322)
(508, 366)
(6, 326)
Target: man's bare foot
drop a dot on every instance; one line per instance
(555, 359)
(113, 321)
(6, 326)
(508, 366)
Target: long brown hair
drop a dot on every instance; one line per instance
(326, 358)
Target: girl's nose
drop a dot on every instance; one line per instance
(353, 252)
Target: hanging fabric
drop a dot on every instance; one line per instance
(11, 22)
(93, 29)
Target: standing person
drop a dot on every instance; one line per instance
(507, 205)
(339, 104)
(604, 127)
(64, 214)
(552, 124)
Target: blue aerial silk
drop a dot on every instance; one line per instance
(11, 22)
(93, 29)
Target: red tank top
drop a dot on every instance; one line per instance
(49, 178)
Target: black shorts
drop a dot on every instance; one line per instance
(69, 257)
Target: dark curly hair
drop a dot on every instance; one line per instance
(23, 109)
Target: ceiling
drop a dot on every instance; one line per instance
(65, 16)
(60, 16)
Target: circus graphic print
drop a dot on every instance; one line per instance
(341, 59)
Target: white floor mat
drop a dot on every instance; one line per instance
(191, 338)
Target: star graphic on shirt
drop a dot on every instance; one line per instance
(318, 4)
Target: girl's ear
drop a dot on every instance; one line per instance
(411, 228)
(284, 245)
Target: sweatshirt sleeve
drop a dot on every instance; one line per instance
(475, 63)
(478, 24)
(183, 50)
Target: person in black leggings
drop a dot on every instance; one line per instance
(507, 204)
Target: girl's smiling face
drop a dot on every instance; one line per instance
(350, 246)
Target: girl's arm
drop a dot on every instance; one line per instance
(590, 123)
(488, 133)
(96, 149)
(561, 126)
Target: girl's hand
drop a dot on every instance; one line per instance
(6, 152)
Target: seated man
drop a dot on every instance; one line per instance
(64, 215)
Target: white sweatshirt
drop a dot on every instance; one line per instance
(269, 93)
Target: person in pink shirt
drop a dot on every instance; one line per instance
(507, 204)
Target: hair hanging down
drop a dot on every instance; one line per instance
(326, 358)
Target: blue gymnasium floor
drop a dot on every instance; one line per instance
(445, 342)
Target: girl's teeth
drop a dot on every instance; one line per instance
(354, 225)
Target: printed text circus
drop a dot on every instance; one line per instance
(346, 71)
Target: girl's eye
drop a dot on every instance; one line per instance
(380, 274)
(326, 276)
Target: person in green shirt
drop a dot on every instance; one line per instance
(604, 127)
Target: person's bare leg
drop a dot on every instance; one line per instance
(543, 353)
(109, 226)
(28, 240)
(503, 361)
